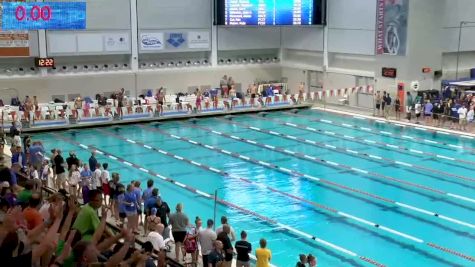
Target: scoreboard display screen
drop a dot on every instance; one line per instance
(43, 15)
(270, 12)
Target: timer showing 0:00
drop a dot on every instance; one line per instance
(43, 15)
(35, 13)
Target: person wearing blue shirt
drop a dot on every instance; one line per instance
(19, 157)
(37, 152)
(93, 161)
(131, 208)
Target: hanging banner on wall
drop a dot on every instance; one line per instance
(116, 42)
(198, 40)
(391, 27)
(14, 44)
(152, 41)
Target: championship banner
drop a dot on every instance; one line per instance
(391, 27)
(13, 43)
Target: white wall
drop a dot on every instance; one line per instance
(456, 11)
(351, 26)
(248, 38)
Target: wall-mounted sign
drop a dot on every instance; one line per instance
(152, 41)
(198, 40)
(389, 72)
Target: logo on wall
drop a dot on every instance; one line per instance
(176, 39)
(151, 41)
(198, 40)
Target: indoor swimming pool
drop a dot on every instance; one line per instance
(353, 191)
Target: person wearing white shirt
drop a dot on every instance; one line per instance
(232, 234)
(156, 238)
(470, 117)
(105, 182)
(462, 111)
(74, 178)
(96, 178)
(206, 237)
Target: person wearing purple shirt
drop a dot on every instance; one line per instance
(428, 107)
(86, 175)
(37, 152)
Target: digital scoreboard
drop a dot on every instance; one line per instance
(43, 15)
(270, 12)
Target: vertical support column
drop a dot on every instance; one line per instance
(325, 56)
(42, 50)
(214, 36)
(134, 57)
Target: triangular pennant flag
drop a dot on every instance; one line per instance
(319, 94)
(353, 90)
(328, 93)
(370, 88)
(346, 91)
(332, 92)
(339, 92)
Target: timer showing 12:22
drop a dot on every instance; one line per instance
(41, 62)
(43, 15)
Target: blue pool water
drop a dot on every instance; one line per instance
(388, 221)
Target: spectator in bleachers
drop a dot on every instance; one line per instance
(156, 236)
(138, 196)
(179, 221)
(74, 180)
(96, 182)
(86, 181)
(60, 172)
(263, 254)
(227, 246)
(206, 238)
(87, 220)
(148, 194)
(231, 234)
(93, 161)
(216, 256)
(19, 157)
(131, 207)
(105, 182)
(31, 213)
(72, 159)
(243, 248)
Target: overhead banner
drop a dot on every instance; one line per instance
(391, 27)
(199, 40)
(152, 41)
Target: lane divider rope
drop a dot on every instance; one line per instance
(231, 205)
(317, 205)
(324, 181)
(343, 166)
(394, 136)
(367, 141)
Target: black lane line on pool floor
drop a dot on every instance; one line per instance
(382, 145)
(366, 156)
(223, 202)
(315, 179)
(320, 206)
(413, 139)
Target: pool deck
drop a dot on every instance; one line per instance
(398, 122)
(101, 123)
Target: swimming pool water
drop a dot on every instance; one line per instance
(283, 185)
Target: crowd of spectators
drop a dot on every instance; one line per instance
(65, 229)
(454, 112)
